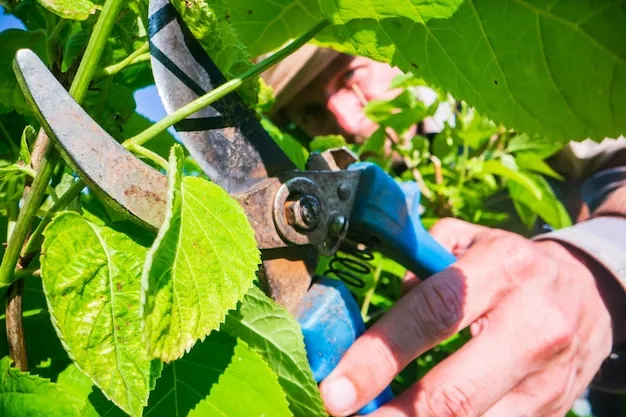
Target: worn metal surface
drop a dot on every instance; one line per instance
(226, 138)
(126, 183)
(287, 274)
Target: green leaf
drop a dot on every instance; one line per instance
(91, 276)
(264, 25)
(74, 46)
(201, 264)
(11, 97)
(287, 143)
(554, 68)
(23, 394)
(324, 143)
(531, 162)
(538, 145)
(70, 9)
(220, 376)
(548, 207)
(272, 332)
(28, 136)
(87, 398)
(498, 168)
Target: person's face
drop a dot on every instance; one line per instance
(333, 102)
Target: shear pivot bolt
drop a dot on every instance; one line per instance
(304, 212)
(337, 224)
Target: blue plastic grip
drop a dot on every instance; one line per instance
(386, 216)
(331, 321)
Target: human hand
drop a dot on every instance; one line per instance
(539, 320)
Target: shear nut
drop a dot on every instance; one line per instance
(303, 213)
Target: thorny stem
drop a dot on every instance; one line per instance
(140, 55)
(226, 88)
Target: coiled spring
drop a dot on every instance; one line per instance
(351, 263)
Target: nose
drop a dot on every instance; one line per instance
(348, 111)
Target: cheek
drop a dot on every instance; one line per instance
(376, 84)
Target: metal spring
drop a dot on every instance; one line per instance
(352, 265)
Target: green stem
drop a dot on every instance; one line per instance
(26, 216)
(463, 166)
(370, 293)
(94, 49)
(78, 89)
(148, 154)
(226, 88)
(35, 240)
(140, 55)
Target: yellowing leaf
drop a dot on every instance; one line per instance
(271, 331)
(202, 263)
(91, 278)
(70, 9)
(221, 376)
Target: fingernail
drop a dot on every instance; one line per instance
(339, 394)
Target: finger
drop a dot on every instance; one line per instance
(543, 393)
(456, 235)
(428, 314)
(470, 381)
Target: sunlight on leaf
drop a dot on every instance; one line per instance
(91, 278)
(221, 376)
(202, 263)
(272, 332)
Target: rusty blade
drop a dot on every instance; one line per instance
(126, 183)
(226, 139)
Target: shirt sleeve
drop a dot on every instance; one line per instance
(579, 160)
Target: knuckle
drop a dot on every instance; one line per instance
(448, 401)
(555, 335)
(438, 308)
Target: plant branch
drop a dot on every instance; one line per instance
(370, 293)
(148, 154)
(14, 326)
(140, 55)
(35, 240)
(226, 88)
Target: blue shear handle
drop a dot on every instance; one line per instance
(331, 321)
(386, 216)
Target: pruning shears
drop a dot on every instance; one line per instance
(296, 215)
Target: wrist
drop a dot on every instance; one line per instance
(607, 287)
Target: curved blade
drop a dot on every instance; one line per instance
(226, 140)
(129, 185)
